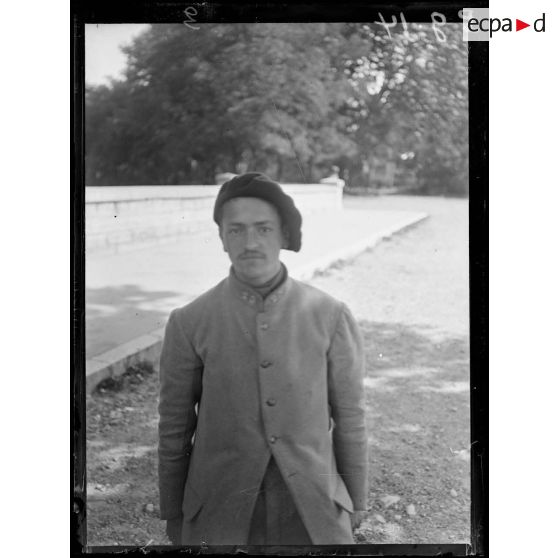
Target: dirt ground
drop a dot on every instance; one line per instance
(410, 296)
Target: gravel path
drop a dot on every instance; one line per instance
(410, 295)
(417, 278)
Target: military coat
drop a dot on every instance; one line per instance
(245, 378)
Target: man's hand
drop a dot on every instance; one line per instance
(356, 518)
(174, 530)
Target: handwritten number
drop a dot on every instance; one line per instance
(405, 26)
(387, 25)
(190, 12)
(438, 19)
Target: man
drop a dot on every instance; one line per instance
(262, 436)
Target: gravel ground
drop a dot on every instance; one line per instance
(410, 295)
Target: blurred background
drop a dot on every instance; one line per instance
(292, 100)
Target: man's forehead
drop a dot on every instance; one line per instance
(249, 209)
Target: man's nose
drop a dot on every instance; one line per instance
(251, 239)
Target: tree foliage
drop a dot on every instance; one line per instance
(287, 99)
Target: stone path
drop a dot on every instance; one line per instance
(131, 293)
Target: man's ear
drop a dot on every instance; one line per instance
(286, 237)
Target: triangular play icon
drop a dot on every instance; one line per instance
(519, 25)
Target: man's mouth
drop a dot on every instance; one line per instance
(252, 257)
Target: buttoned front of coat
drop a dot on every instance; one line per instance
(278, 377)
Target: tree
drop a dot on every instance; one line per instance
(200, 102)
(287, 99)
(414, 89)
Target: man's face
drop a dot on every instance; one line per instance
(252, 236)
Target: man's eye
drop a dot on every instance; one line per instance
(234, 232)
(265, 230)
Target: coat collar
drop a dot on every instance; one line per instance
(251, 297)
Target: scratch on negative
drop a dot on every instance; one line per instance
(255, 490)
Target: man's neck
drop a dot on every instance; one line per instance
(270, 285)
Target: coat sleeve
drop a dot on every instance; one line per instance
(347, 402)
(180, 390)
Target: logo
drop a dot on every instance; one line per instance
(479, 26)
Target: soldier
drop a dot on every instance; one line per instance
(262, 436)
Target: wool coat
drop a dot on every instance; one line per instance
(243, 379)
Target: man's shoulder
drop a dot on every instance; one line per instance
(316, 296)
(199, 305)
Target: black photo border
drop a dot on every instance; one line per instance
(160, 11)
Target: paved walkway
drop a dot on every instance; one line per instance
(131, 293)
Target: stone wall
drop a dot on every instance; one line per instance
(122, 217)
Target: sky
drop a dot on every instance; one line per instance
(103, 57)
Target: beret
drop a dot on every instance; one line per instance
(258, 185)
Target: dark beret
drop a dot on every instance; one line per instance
(258, 185)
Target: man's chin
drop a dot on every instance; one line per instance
(254, 274)
(251, 265)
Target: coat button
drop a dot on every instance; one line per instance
(271, 402)
(273, 439)
(265, 364)
(264, 326)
